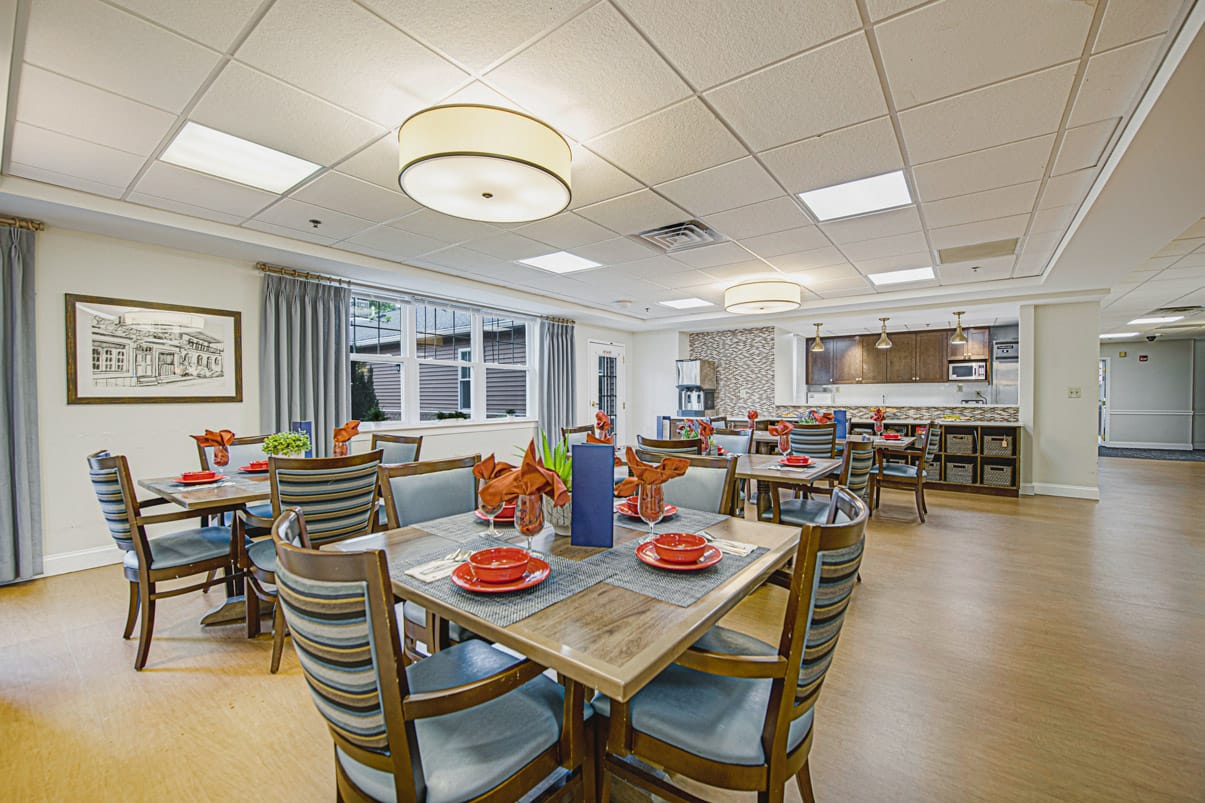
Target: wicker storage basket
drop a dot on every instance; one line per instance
(960, 472)
(998, 445)
(999, 476)
(960, 443)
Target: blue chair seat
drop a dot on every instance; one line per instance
(183, 547)
(262, 510)
(802, 511)
(262, 554)
(467, 753)
(711, 716)
(417, 614)
(898, 470)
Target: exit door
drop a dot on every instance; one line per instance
(607, 375)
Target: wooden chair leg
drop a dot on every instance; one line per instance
(148, 624)
(920, 505)
(279, 631)
(231, 587)
(600, 726)
(590, 764)
(252, 602)
(803, 779)
(924, 505)
(209, 578)
(132, 613)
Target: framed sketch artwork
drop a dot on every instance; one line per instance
(140, 352)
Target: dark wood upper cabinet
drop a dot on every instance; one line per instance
(901, 358)
(977, 347)
(932, 356)
(820, 364)
(846, 359)
(874, 360)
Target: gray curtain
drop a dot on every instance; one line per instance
(558, 391)
(20, 484)
(304, 360)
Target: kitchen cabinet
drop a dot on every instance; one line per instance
(846, 359)
(820, 365)
(977, 347)
(874, 360)
(901, 358)
(932, 356)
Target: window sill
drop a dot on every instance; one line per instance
(367, 428)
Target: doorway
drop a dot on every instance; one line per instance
(1102, 395)
(607, 378)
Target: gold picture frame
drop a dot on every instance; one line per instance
(122, 351)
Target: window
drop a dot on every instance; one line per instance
(449, 363)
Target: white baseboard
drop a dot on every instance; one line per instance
(1072, 491)
(80, 559)
(1026, 489)
(1145, 445)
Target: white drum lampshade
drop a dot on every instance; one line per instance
(484, 163)
(763, 297)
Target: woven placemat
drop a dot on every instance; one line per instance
(685, 521)
(462, 527)
(683, 589)
(568, 577)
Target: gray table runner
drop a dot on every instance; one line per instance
(683, 589)
(685, 521)
(462, 527)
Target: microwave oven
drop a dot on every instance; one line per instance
(968, 371)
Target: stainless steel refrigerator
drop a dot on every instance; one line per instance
(1006, 372)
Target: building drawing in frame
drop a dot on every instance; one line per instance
(137, 352)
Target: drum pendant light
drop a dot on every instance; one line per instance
(762, 297)
(883, 342)
(959, 338)
(817, 344)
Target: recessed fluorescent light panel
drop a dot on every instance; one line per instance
(1119, 334)
(901, 276)
(686, 303)
(561, 262)
(207, 150)
(858, 197)
(1145, 321)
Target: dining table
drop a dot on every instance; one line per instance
(621, 628)
(765, 443)
(766, 468)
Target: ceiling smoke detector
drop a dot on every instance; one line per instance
(679, 236)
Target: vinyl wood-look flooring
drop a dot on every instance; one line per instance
(1038, 649)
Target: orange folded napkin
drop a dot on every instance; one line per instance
(490, 468)
(531, 477)
(781, 428)
(751, 415)
(592, 438)
(648, 474)
(222, 437)
(706, 430)
(348, 431)
(602, 424)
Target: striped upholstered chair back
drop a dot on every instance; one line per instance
(670, 445)
(814, 440)
(932, 444)
(110, 477)
(858, 466)
(336, 494)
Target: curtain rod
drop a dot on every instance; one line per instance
(22, 223)
(266, 267)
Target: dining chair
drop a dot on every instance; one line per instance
(398, 448)
(338, 497)
(572, 435)
(469, 723)
(718, 421)
(734, 441)
(242, 451)
(817, 441)
(906, 476)
(670, 445)
(856, 468)
(733, 711)
(418, 492)
(708, 485)
(149, 561)
(764, 424)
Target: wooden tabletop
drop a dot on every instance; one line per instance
(765, 467)
(234, 490)
(605, 637)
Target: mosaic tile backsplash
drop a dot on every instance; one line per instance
(744, 367)
(971, 412)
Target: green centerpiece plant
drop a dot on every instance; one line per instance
(559, 459)
(287, 444)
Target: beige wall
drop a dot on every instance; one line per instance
(1151, 400)
(652, 373)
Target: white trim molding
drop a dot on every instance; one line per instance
(1145, 445)
(1071, 491)
(80, 559)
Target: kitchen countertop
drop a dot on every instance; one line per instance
(938, 420)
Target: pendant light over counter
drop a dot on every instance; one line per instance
(959, 338)
(817, 344)
(883, 342)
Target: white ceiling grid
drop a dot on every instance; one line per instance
(1001, 115)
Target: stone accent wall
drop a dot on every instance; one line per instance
(744, 367)
(974, 412)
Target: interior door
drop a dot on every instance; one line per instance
(607, 377)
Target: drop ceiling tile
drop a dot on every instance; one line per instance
(760, 218)
(983, 231)
(184, 208)
(920, 50)
(634, 213)
(59, 153)
(987, 205)
(1195, 230)
(1045, 241)
(508, 246)
(916, 259)
(476, 33)
(297, 215)
(1113, 81)
(254, 106)
(1181, 246)
(430, 223)
(655, 267)
(106, 47)
(829, 88)
(214, 22)
(866, 149)
(566, 230)
(885, 8)
(711, 256)
(984, 270)
(711, 41)
(743, 271)
(614, 251)
(1006, 112)
(1056, 218)
(886, 246)
(391, 243)
(778, 243)
(285, 231)
(868, 227)
(348, 56)
(594, 179)
(47, 100)
(674, 142)
(728, 186)
(1129, 22)
(808, 260)
(837, 292)
(833, 274)
(591, 75)
(378, 163)
(182, 186)
(1084, 146)
(352, 196)
(462, 260)
(987, 169)
(45, 176)
(681, 280)
(1069, 188)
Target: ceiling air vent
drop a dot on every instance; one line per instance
(680, 236)
(966, 253)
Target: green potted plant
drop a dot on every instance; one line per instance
(287, 444)
(560, 460)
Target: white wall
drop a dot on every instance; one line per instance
(497, 437)
(934, 394)
(1062, 452)
(1198, 394)
(1151, 400)
(153, 436)
(651, 391)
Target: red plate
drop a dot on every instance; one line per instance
(891, 436)
(198, 480)
(648, 554)
(626, 508)
(247, 469)
(505, 517)
(537, 572)
(801, 460)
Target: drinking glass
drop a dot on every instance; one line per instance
(490, 512)
(529, 517)
(650, 502)
(784, 445)
(221, 455)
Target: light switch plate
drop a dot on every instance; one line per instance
(1074, 393)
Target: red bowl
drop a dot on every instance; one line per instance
(256, 465)
(199, 475)
(680, 547)
(503, 564)
(797, 459)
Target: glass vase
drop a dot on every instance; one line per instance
(340, 449)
